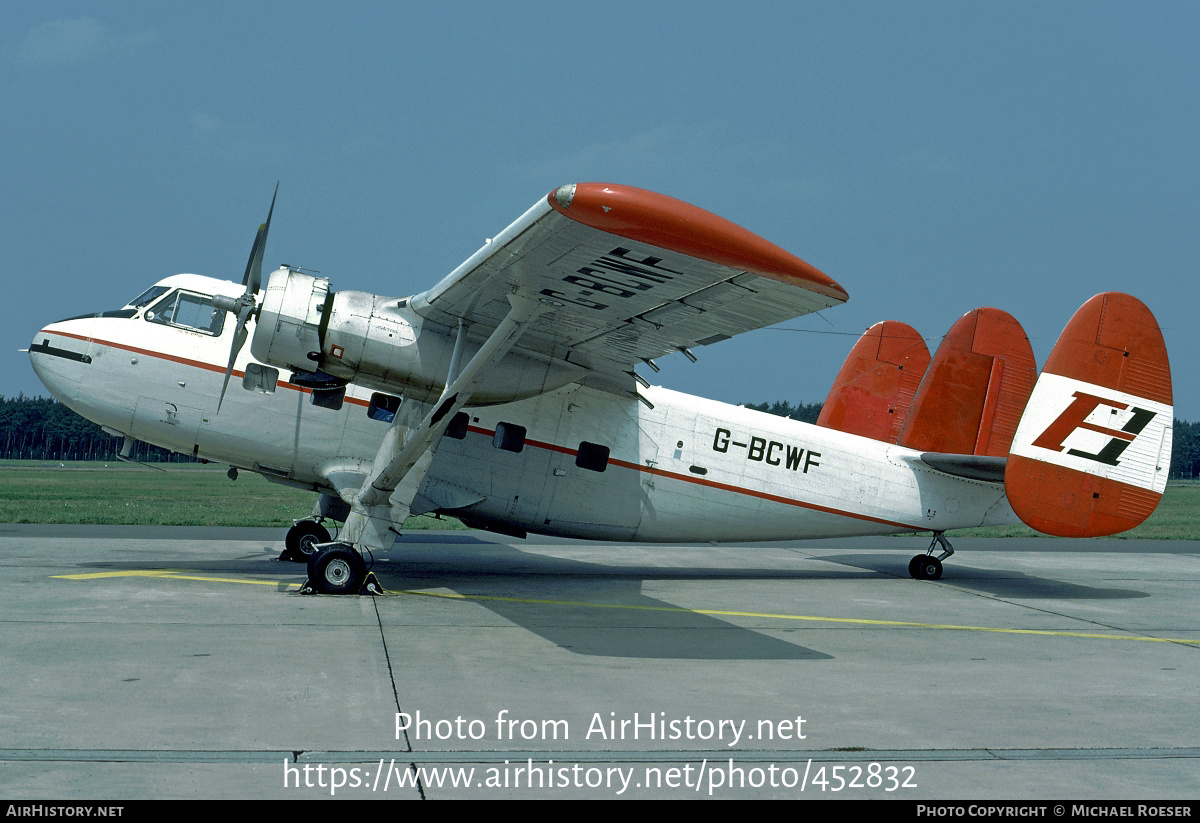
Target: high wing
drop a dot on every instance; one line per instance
(597, 276)
(627, 275)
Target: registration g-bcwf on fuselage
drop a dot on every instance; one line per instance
(509, 395)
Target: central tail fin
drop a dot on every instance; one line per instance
(1093, 450)
(975, 389)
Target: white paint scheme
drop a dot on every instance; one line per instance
(1144, 463)
(160, 384)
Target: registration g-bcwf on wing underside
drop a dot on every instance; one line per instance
(630, 275)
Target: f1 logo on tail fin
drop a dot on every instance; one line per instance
(1096, 430)
(1075, 417)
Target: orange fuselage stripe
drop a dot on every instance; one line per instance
(788, 501)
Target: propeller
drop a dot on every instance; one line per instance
(244, 305)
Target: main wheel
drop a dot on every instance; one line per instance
(302, 540)
(336, 569)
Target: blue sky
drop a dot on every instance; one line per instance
(930, 157)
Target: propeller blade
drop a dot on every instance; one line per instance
(244, 306)
(239, 339)
(253, 277)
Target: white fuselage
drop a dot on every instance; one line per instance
(687, 469)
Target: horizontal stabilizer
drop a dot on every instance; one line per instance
(1093, 451)
(974, 391)
(876, 384)
(970, 466)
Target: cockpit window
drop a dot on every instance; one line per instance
(146, 296)
(188, 310)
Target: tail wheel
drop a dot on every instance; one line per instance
(337, 569)
(914, 566)
(925, 567)
(928, 566)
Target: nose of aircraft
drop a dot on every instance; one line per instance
(59, 354)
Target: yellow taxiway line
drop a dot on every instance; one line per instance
(860, 621)
(856, 621)
(171, 575)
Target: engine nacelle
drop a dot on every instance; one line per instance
(288, 330)
(381, 343)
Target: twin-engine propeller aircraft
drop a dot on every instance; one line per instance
(508, 396)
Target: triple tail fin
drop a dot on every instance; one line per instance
(974, 391)
(1093, 450)
(876, 384)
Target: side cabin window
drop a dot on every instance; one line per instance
(510, 437)
(260, 378)
(383, 407)
(457, 429)
(328, 398)
(592, 456)
(188, 310)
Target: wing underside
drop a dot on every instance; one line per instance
(627, 275)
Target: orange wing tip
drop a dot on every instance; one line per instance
(667, 223)
(875, 386)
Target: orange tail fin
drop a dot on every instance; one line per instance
(876, 384)
(975, 389)
(1093, 451)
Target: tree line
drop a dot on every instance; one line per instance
(41, 428)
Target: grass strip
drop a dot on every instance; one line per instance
(181, 495)
(199, 495)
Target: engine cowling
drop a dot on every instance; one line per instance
(380, 342)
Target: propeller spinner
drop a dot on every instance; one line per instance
(244, 305)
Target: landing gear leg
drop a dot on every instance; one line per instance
(926, 566)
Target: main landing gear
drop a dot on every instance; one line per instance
(338, 568)
(333, 568)
(926, 566)
(302, 540)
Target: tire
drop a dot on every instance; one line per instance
(337, 569)
(302, 539)
(914, 566)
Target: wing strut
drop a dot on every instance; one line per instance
(404, 456)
